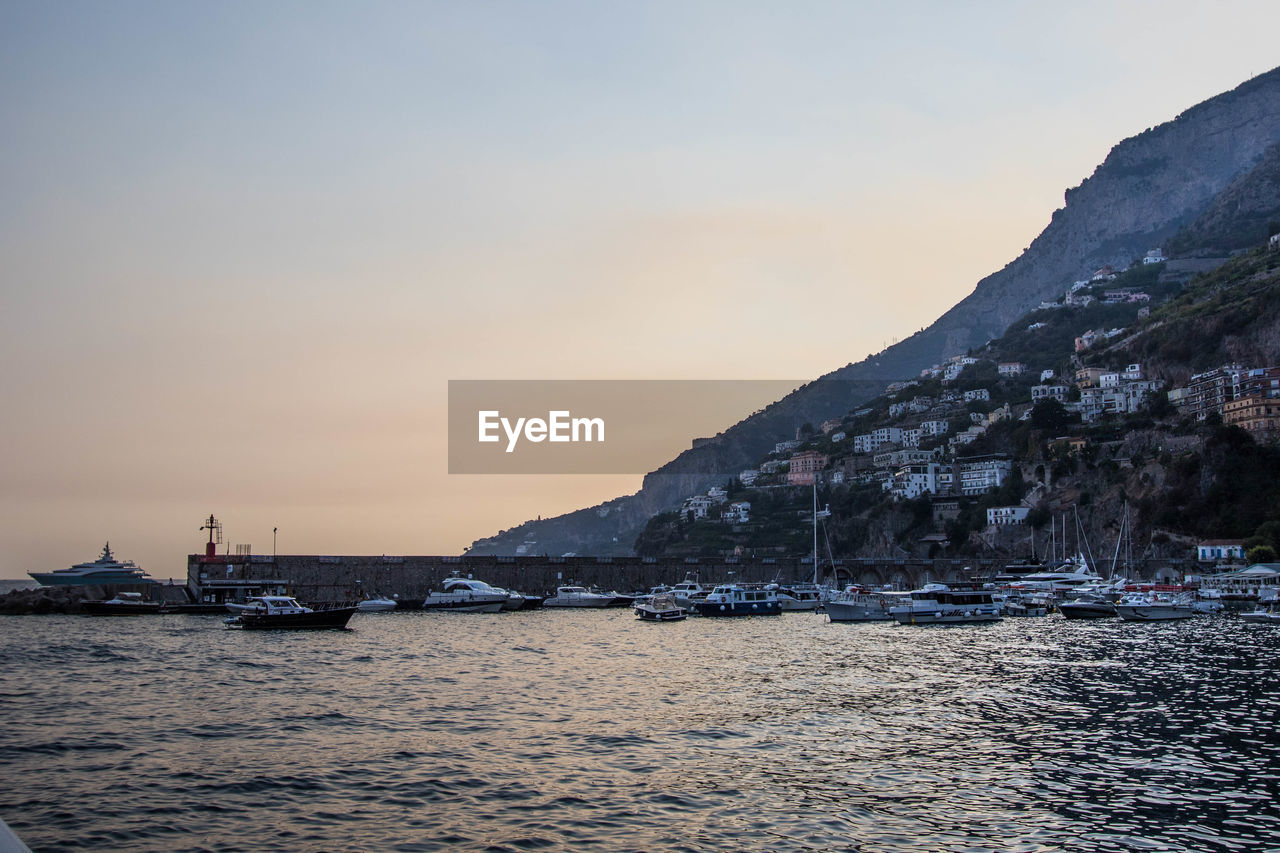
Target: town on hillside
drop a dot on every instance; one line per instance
(1003, 450)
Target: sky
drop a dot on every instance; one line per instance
(244, 246)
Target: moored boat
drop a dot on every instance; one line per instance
(104, 570)
(466, 595)
(939, 604)
(577, 596)
(737, 600)
(378, 604)
(803, 597)
(856, 604)
(123, 604)
(285, 612)
(1152, 606)
(1091, 606)
(659, 608)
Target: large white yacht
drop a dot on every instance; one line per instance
(104, 570)
(465, 595)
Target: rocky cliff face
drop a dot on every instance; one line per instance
(1149, 187)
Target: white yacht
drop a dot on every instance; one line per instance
(856, 604)
(104, 570)
(939, 604)
(465, 595)
(577, 596)
(689, 592)
(378, 604)
(1152, 606)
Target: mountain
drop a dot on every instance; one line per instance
(1151, 188)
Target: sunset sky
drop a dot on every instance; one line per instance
(245, 245)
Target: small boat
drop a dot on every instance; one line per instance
(465, 595)
(803, 597)
(660, 608)
(283, 611)
(380, 604)
(577, 596)
(124, 604)
(939, 604)
(1154, 607)
(1262, 616)
(857, 604)
(1088, 606)
(731, 599)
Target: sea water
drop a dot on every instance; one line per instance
(588, 729)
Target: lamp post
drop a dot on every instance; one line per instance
(273, 543)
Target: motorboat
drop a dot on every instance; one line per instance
(578, 596)
(1152, 606)
(738, 600)
(689, 592)
(283, 611)
(1262, 616)
(1035, 604)
(1089, 606)
(104, 570)
(800, 596)
(940, 604)
(378, 604)
(123, 604)
(660, 608)
(466, 595)
(856, 604)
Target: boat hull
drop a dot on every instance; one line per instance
(649, 614)
(1148, 613)
(464, 606)
(849, 611)
(947, 617)
(334, 617)
(101, 579)
(1074, 610)
(738, 608)
(108, 608)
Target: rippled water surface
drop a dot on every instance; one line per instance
(541, 731)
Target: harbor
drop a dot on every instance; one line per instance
(591, 729)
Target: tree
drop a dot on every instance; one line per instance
(1051, 416)
(1261, 554)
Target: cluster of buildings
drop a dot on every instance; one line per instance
(715, 504)
(1246, 397)
(1102, 392)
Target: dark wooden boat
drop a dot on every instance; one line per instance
(284, 612)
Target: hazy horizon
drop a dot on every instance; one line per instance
(247, 245)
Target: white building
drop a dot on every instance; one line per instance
(748, 476)
(912, 481)
(1007, 515)
(1049, 392)
(931, 428)
(978, 475)
(977, 394)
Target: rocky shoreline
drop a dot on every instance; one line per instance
(44, 600)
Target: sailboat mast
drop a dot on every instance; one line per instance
(815, 528)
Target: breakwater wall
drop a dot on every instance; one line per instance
(336, 578)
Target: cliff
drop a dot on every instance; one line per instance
(1149, 188)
